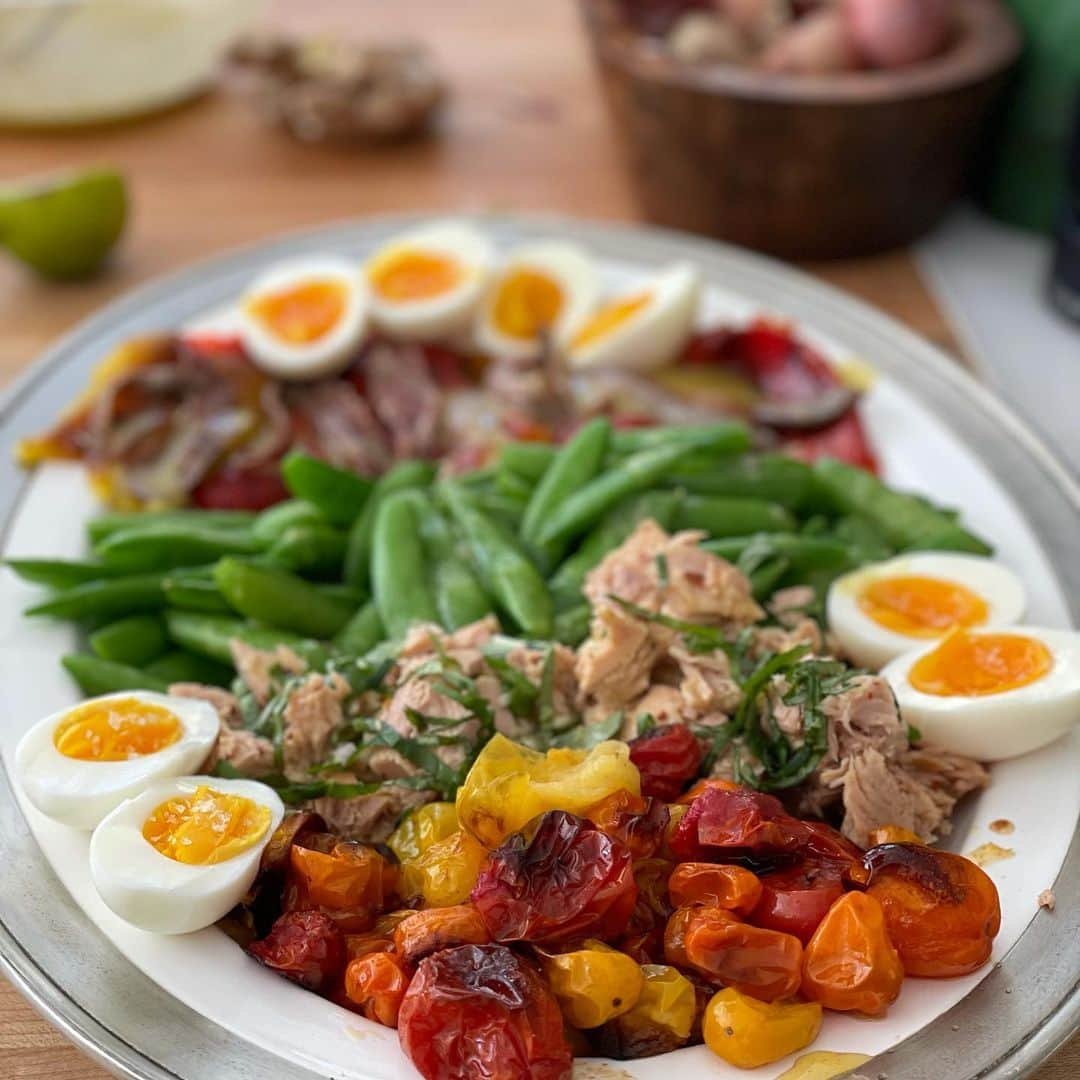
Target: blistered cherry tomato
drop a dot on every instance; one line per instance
(795, 899)
(570, 880)
(241, 489)
(480, 1012)
(349, 883)
(850, 964)
(376, 984)
(638, 822)
(892, 834)
(728, 952)
(668, 758)
(644, 937)
(713, 885)
(424, 932)
(305, 946)
(660, 1020)
(705, 784)
(747, 1033)
(941, 910)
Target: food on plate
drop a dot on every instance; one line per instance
(426, 283)
(991, 693)
(888, 608)
(79, 764)
(540, 295)
(182, 853)
(305, 319)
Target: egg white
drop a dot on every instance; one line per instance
(327, 355)
(992, 727)
(653, 336)
(448, 316)
(565, 264)
(870, 645)
(80, 793)
(159, 894)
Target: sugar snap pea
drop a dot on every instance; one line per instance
(275, 520)
(529, 460)
(209, 635)
(362, 632)
(636, 473)
(310, 550)
(96, 676)
(506, 571)
(575, 465)
(280, 599)
(400, 477)
(178, 665)
(773, 477)
(61, 573)
(167, 545)
(338, 493)
(194, 590)
(120, 520)
(631, 440)
(803, 553)
(720, 515)
(134, 640)
(104, 599)
(906, 521)
(572, 625)
(399, 580)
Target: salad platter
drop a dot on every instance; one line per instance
(601, 580)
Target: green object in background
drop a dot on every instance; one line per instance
(64, 227)
(1025, 183)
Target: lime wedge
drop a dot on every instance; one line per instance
(64, 226)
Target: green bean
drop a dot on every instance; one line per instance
(400, 477)
(96, 676)
(630, 441)
(728, 516)
(103, 599)
(338, 493)
(362, 632)
(616, 526)
(906, 521)
(574, 466)
(105, 525)
(399, 581)
(310, 550)
(507, 572)
(180, 666)
(772, 477)
(194, 591)
(61, 573)
(168, 545)
(210, 635)
(275, 520)
(528, 460)
(280, 599)
(638, 472)
(572, 625)
(134, 640)
(459, 598)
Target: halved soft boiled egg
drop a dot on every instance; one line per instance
(644, 329)
(305, 318)
(888, 608)
(180, 855)
(426, 284)
(78, 764)
(544, 291)
(991, 693)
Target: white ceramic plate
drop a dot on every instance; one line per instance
(296, 1030)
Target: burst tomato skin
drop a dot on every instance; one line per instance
(709, 884)
(305, 946)
(425, 932)
(668, 758)
(941, 910)
(638, 822)
(480, 1012)
(569, 881)
(796, 898)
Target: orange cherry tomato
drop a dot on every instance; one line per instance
(714, 885)
(893, 834)
(638, 822)
(376, 983)
(941, 910)
(692, 793)
(362, 944)
(350, 882)
(428, 931)
(850, 964)
(717, 945)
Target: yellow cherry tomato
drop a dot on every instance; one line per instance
(425, 826)
(509, 785)
(593, 984)
(748, 1033)
(445, 873)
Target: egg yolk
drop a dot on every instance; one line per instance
(206, 827)
(974, 665)
(407, 275)
(526, 303)
(921, 606)
(116, 730)
(304, 313)
(609, 318)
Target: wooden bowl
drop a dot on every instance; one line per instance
(807, 167)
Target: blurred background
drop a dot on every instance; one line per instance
(913, 152)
